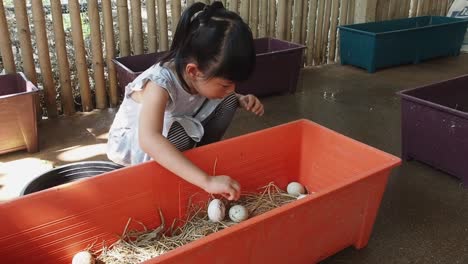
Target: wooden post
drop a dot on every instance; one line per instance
(406, 10)
(162, 16)
(437, 5)
(152, 34)
(5, 43)
(333, 30)
(124, 31)
(326, 31)
(97, 58)
(80, 55)
(272, 18)
(400, 6)
(343, 12)
(379, 11)
(426, 7)
(351, 11)
(413, 7)
(297, 21)
(282, 15)
(419, 7)
(443, 11)
(384, 7)
(449, 4)
(438, 8)
(244, 10)
(110, 51)
(430, 6)
(64, 67)
(364, 10)
(305, 10)
(441, 8)
(175, 15)
(311, 31)
(289, 25)
(24, 36)
(234, 5)
(343, 17)
(434, 6)
(392, 10)
(319, 32)
(263, 18)
(137, 27)
(254, 18)
(44, 57)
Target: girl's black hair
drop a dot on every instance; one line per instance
(217, 40)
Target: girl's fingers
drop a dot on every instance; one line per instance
(244, 102)
(250, 102)
(257, 107)
(235, 186)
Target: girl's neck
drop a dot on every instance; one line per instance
(188, 87)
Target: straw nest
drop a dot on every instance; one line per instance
(138, 246)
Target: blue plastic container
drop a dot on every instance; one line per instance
(394, 42)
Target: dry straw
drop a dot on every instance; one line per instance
(139, 246)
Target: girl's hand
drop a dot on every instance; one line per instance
(224, 185)
(251, 103)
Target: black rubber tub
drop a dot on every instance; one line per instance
(68, 173)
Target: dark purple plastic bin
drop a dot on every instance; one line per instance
(18, 129)
(277, 71)
(129, 67)
(435, 126)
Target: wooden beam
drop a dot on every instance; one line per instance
(5, 43)
(44, 57)
(66, 94)
(110, 51)
(124, 31)
(80, 55)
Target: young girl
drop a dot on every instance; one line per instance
(188, 98)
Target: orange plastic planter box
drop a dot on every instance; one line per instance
(348, 179)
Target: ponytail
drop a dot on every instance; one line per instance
(217, 40)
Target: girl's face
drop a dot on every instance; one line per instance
(213, 88)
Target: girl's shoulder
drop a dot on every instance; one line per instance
(161, 74)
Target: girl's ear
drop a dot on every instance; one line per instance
(192, 70)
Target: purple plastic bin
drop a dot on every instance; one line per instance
(277, 68)
(129, 67)
(276, 71)
(435, 126)
(18, 129)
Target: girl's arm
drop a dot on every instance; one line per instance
(152, 141)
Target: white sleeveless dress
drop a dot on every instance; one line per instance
(187, 109)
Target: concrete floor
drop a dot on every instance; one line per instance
(423, 217)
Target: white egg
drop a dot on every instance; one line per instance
(238, 213)
(295, 188)
(216, 210)
(301, 196)
(83, 257)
